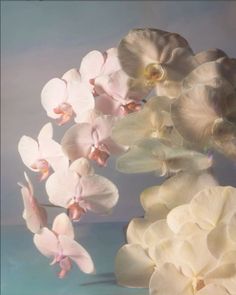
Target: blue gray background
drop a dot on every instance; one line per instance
(42, 40)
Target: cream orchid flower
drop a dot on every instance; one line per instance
(213, 210)
(157, 59)
(155, 155)
(149, 236)
(35, 216)
(153, 121)
(91, 140)
(79, 190)
(40, 155)
(59, 244)
(158, 201)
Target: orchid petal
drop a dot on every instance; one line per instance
(77, 141)
(212, 289)
(168, 280)
(133, 266)
(213, 205)
(91, 65)
(61, 187)
(46, 242)
(29, 151)
(136, 229)
(77, 253)
(82, 167)
(99, 194)
(53, 94)
(63, 226)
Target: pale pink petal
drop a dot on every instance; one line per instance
(29, 151)
(77, 141)
(72, 75)
(45, 133)
(46, 242)
(80, 98)
(61, 187)
(99, 194)
(82, 167)
(34, 215)
(91, 65)
(77, 253)
(63, 226)
(53, 94)
(112, 63)
(107, 105)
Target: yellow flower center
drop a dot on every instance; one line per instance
(153, 73)
(198, 284)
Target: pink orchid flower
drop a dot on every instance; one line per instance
(91, 140)
(67, 97)
(40, 155)
(73, 94)
(79, 190)
(34, 215)
(60, 244)
(115, 97)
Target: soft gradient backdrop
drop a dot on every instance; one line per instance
(42, 40)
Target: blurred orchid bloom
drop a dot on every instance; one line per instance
(79, 190)
(158, 201)
(91, 140)
(40, 155)
(155, 155)
(153, 121)
(34, 215)
(213, 210)
(205, 115)
(159, 59)
(60, 244)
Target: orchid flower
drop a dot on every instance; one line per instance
(206, 116)
(154, 155)
(159, 59)
(91, 140)
(40, 155)
(34, 215)
(59, 243)
(213, 210)
(116, 96)
(158, 201)
(79, 190)
(153, 121)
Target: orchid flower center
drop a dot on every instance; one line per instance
(198, 284)
(131, 107)
(41, 166)
(75, 211)
(65, 111)
(153, 73)
(99, 154)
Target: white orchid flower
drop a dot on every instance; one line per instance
(40, 155)
(59, 244)
(154, 155)
(35, 215)
(159, 59)
(79, 190)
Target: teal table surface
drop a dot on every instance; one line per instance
(24, 271)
